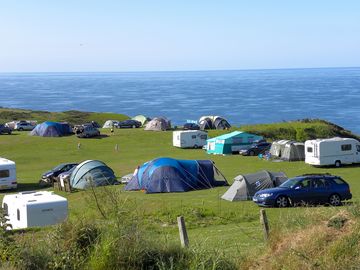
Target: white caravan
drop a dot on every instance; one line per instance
(34, 209)
(189, 138)
(335, 151)
(7, 174)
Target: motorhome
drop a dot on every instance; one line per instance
(335, 151)
(34, 209)
(7, 174)
(189, 138)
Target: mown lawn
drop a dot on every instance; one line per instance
(212, 222)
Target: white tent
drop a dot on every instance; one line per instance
(110, 123)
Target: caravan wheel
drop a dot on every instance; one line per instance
(196, 146)
(337, 163)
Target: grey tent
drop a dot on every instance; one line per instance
(293, 151)
(213, 122)
(277, 148)
(245, 186)
(158, 124)
(92, 173)
(110, 123)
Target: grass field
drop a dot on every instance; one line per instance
(232, 227)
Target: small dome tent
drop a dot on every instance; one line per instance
(172, 175)
(221, 123)
(92, 173)
(205, 123)
(245, 186)
(110, 123)
(51, 129)
(158, 124)
(142, 119)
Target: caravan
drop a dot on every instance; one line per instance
(34, 209)
(7, 174)
(335, 151)
(189, 138)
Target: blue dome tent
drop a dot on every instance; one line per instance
(172, 175)
(92, 173)
(51, 129)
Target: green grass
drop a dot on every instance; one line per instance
(213, 224)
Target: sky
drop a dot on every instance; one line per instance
(155, 35)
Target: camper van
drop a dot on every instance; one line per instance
(335, 151)
(34, 209)
(7, 174)
(189, 138)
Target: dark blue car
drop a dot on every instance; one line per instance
(308, 189)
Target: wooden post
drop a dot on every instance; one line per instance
(116, 147)
(78, 146)
(182, 231)
(265, 224)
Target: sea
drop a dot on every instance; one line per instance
(241, 96)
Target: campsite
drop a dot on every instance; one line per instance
(232, 227)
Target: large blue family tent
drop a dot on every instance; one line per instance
(92, 173)
(51, 129)
(174, 175)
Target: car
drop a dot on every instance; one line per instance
(128, 124)
(4, 129)
(306, 189)
(22, 125)
(256, 149)
(86, 131)
(191, 126)
(50, 176)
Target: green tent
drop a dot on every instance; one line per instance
(231, 142)
(141, 118)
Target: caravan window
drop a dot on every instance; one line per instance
(6, 209)
(309, 149)
(203, 137)
(193, 136)
(358, 148)
(4, 173)
(346, 147)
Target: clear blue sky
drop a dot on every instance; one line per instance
(134, 35)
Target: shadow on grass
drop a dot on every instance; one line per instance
(101, 136)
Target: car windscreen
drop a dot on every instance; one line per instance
(290, 183)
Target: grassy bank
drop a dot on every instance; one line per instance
(223, 235)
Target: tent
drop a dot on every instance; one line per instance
(245, 186)
(231, 142)
(158, 124)
(294, 151)
(142, 119)
(213, 122)
(173, 175)
(51, 129)
(288, 150)
(92, 173)
(110, 123)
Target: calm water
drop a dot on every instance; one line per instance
(243, 97)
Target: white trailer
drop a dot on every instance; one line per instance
(335, 151)
(34, 209)
(7, 174)
(189, 138)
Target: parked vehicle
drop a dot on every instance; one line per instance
(34, 209)
(86, 131)
(128, 124)
(335, 151)
(50, 176)
(189, 138)
(256, 149)
(23, 125)
(5, 130)
(308, 189)
(191, 126)
(7, 174)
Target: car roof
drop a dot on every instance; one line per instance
(319, 175)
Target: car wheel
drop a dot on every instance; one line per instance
(337, 163)
(9, 133)
(252, 153)
(282, 201)
(335, 200)
(21, 129)
(133, 126)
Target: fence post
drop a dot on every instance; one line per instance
(182, 231)
(265, 224)
(116, 147)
